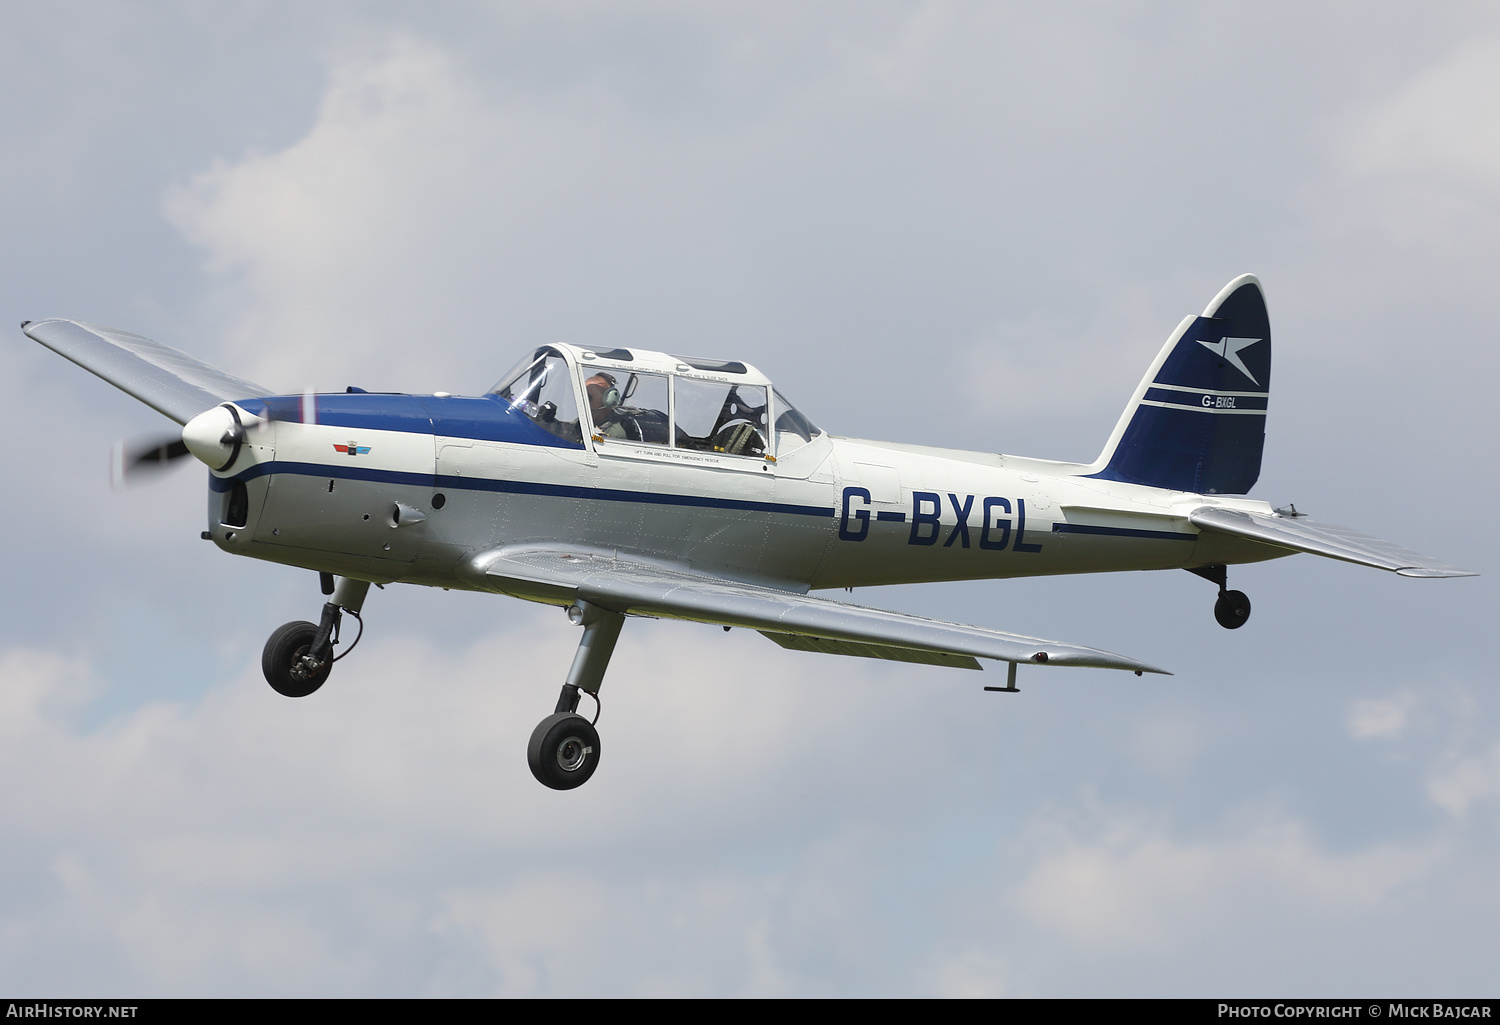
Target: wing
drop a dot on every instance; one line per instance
(800, 621)
(1300, 535)
(170, 382)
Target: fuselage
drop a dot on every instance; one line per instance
(390, 487)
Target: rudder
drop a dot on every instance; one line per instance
(1197, 421)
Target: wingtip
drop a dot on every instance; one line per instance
(1093, 658)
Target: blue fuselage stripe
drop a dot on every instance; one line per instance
(343, 471)
(1156, 535)
(523, 487)
(334, 471)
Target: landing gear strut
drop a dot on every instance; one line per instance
(564, 748)
(299, 656)
(1233, 607)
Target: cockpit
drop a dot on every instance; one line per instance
(655, 399)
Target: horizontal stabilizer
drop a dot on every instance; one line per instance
(170, 382)
(1335, 542)
(648, 589)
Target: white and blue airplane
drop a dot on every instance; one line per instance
(619, 482)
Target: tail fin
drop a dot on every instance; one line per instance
(1197, 421)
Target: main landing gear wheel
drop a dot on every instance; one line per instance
(1232, 609)
(564, 751)
(282, 661)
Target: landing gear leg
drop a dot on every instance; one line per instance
(299, 656)
(564, 748)
(1233, 607)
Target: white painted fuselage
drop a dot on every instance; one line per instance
(325, 486)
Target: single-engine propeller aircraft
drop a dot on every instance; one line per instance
(619, 482)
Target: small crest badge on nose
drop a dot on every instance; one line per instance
(352, 449)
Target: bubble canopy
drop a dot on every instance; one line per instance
(655, 399)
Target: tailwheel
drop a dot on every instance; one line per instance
(1232, 609)
(564, 751)
(289, 667)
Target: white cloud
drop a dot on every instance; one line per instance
(249, 843)
(1446, 730)
(1130, 882)
(1460, 782)
(384, 836)
(1439, 123)
(1169, 742)
(1380, 717)
(1418, 173)
(435, 216)
(335, 237)
(1022, 371)
(968, 974)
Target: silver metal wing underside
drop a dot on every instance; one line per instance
(801, 621)
(1335, 542)
(170, 382)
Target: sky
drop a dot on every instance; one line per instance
(959, 224)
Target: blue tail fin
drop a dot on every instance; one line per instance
(1197, 421)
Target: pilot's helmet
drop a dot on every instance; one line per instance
(602, 391)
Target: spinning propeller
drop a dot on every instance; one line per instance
(134, 460)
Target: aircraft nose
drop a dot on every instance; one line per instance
(215, 436)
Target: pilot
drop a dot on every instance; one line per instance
(604, 403)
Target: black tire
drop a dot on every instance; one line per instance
(1232, 609)
(564, 751)
(288, 644)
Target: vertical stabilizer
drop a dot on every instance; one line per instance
(1197, 421)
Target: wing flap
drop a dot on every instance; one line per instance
(170, 382)
(799, 642)
(1326, 539)
(646, 589)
